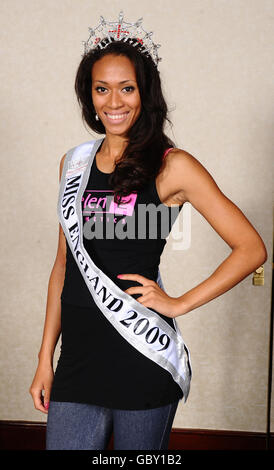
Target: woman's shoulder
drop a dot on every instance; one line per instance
(178, 160)
(62, 161)
(176, 154)
(182, 171)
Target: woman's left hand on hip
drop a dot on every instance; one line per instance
(152, 295)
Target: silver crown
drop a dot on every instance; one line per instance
(109, 31)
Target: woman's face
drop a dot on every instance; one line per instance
(115, 93)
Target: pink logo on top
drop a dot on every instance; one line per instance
(106, 204)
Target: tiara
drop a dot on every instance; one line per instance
(109, 31)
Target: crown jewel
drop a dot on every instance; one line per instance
(109, 31)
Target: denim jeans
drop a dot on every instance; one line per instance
(80, 426)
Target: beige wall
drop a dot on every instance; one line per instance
(217, 74)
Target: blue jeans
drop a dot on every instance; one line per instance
(80, 426)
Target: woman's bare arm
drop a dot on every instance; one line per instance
(52, 326)
(248, 249)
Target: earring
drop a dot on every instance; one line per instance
(96, 117)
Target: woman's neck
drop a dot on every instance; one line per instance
(113, 147)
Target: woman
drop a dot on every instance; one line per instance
(106, 379)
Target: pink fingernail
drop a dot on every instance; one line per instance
(46, 405)
(120, 275)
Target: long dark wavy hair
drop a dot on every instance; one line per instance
(142, 158)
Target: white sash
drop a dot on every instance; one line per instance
(140, 326)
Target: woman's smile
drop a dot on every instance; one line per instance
(117, 118)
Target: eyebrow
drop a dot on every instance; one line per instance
(120, 83)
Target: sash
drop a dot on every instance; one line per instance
(144, 329)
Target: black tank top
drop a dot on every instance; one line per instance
(96, 364)
(138, 254)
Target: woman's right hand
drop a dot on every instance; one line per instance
(42, 382)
